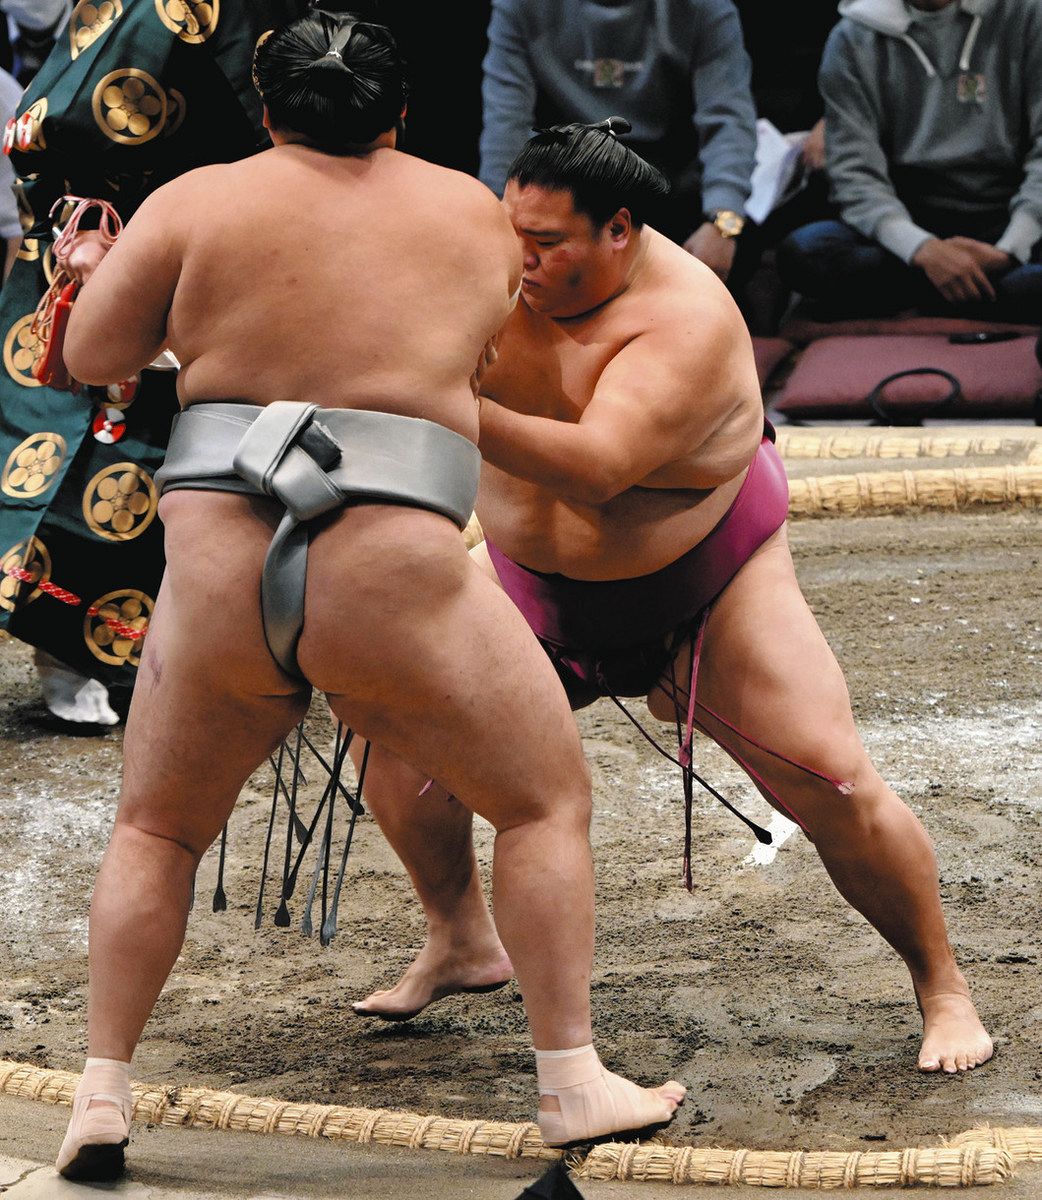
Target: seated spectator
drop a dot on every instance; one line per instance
(934, 145)
(677, 71)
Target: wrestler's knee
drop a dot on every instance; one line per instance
(143, 837)
(661, 707)
(568, 805)
(849, 804)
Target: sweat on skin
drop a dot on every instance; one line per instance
(952, 94)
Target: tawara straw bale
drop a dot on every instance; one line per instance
(201, 1108)
(1023, 1144)
(885, 443)
(970, 1166)
(473, 534)
(979, 1161)
(894, 491)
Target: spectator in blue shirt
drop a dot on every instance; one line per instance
(677, 70)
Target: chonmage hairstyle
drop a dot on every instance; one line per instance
(589, 161)
(335, 79)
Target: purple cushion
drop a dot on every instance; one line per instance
(835, 376)
(804, 329)
(770, 353)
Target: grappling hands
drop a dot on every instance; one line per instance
(86, 251)
(488, 356)
(961, 268)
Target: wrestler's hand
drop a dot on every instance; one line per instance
(86, 251)
(488, 356)
(710, 246)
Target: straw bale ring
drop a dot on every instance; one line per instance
(1019, 445)
(1023, 1144)
(977, 1158)
(966, 483)
(968, 1166)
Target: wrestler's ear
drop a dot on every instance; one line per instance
(620, 228)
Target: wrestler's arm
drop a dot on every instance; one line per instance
(118, 321)
(653, 406)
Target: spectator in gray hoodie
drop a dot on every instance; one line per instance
(933, 114)
(677, 70)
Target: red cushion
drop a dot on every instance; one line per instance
(770, 353)
(834, 377)
(803, 329)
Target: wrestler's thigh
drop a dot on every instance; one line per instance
(444, 673)
(209, 703)
(481, 558)
(768, 670)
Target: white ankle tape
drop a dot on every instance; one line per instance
(106, 1062)
(544, 1055)
(556, 1069)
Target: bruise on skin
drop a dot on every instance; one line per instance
(151, 667)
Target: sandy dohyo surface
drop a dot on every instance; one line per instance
(782, 1010)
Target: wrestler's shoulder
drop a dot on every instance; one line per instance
(682, 295)
(461, 186)
(457, 201)
(208, 181)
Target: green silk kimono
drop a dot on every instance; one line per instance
(135, 93)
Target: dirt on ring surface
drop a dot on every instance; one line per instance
(788, 1017)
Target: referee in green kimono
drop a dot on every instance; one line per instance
(134, 93)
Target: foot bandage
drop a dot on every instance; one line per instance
(594, 1102)
(93, 1146)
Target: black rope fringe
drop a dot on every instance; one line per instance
(300, 832)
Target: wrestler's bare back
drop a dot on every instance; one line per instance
(277, 278)
(698, 358)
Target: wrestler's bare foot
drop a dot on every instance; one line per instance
(581, 1102)
(440, 970)
(953, 1037)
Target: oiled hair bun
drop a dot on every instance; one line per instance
(337, 80)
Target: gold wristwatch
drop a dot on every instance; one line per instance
(728, 224)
